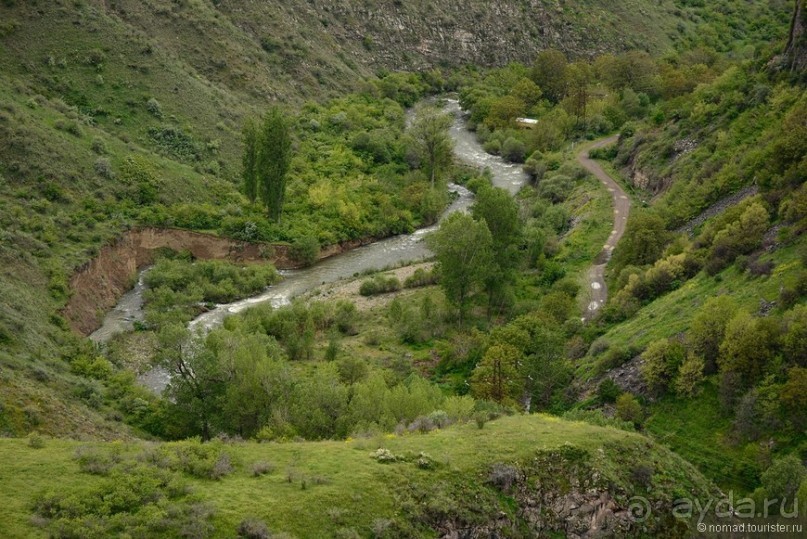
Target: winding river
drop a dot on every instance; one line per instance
(391, 251)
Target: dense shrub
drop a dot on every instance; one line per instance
(124, 503)
(175, 142)
(555, 188)
(421, 277)
(503, 476)
(253, 528)
(379, 284)
(176, 286)
(513, 150)
(661, 361)
(628, 409)
(305, 250)
(597, 417)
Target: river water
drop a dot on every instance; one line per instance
(387, 252)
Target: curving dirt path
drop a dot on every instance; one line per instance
(597, 290)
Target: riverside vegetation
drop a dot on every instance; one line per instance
(406, 418)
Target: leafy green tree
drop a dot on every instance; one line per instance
(690, 374)
(708, 329)
(794, 338)
(629, 409)
(197, 385)
(633, 69)
(266, 160)
(549, 72)
(643, 242)
(255, 380)
(414, 397)
(250, 160)
(579, 79)
(497, 377)
(499, 211)
(661, 361)
(793, 396)
(319, 404)
(527, 91)
(546, 370)
(747, 348)
(464, 251)
(429, 134)
(741, 236)
(503, 112)
(370, 403)
(782, 480)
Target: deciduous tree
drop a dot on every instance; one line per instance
(266, 160)
(549, 73)
(463, 248)
(429, 133)
(709, 327)
(497, 377)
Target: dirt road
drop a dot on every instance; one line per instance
(597, 292)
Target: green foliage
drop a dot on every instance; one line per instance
(249, 160)
(549, 73)
(643, 242)
(379, 284)
(793, 396)
(597, 417)
(498, 376)
(432, 145)
(738, 237)
(36, 441)
(133, 495)
(175, 142)
(421, 277)
(690, 374)
(176, 286)
(661, 361)
(306, 249)
(608, 391)
(513, 150)
(708, 328)
(782, 480)
(628, 409)
(747, 348)
(272, 158)
(463, 248)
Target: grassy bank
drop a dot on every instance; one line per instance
(317, 489)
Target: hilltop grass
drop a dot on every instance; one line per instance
(315, 488)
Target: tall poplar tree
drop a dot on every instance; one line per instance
(266, 160)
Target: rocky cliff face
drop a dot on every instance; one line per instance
(411, 35)
(421, 34)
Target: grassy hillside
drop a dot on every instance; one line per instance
(741, 133)
(461, 477)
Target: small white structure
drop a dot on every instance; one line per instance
(526, 123)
